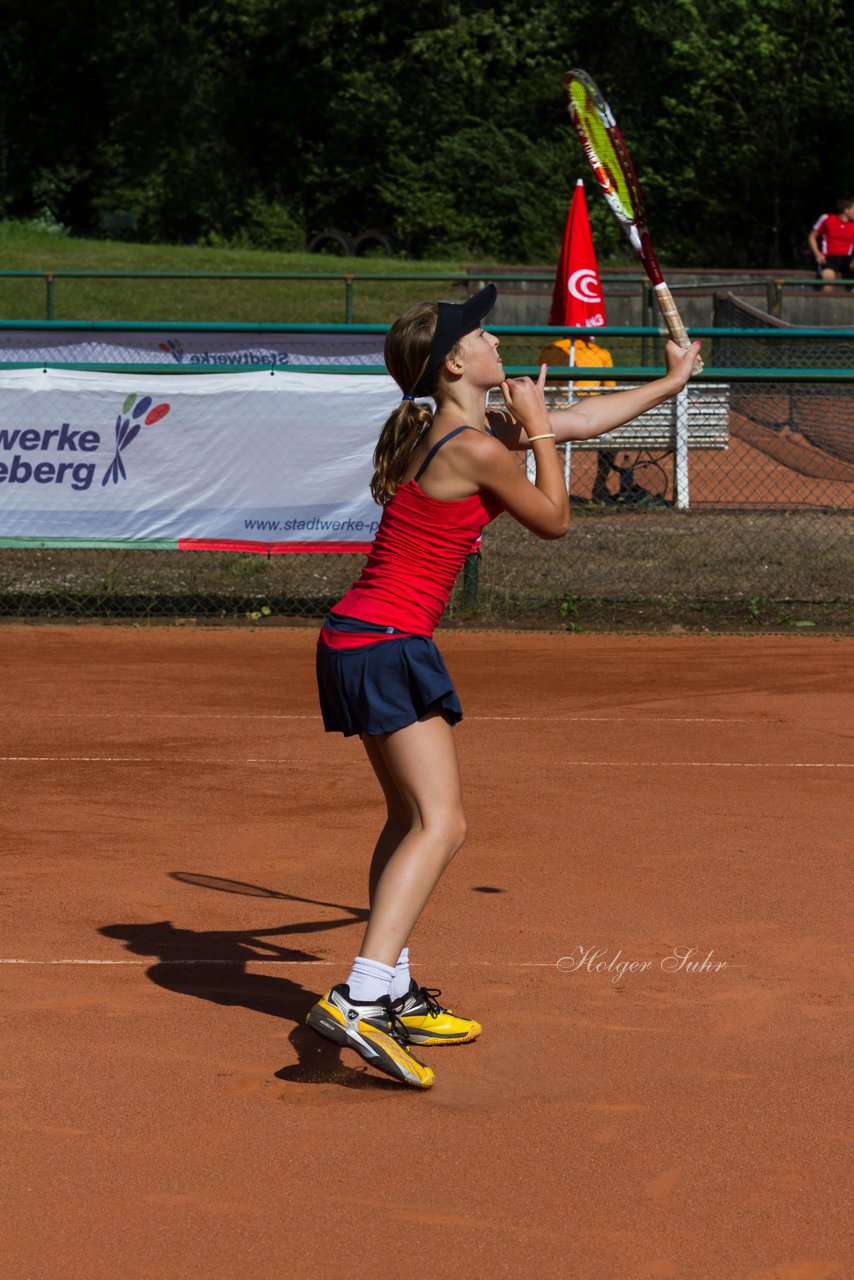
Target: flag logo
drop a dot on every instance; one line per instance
(584, 285)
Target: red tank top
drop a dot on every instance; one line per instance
(418, 551)
(836, 236)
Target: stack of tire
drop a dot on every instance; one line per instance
(332, 240)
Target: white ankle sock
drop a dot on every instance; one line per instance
(369, 979)
(400, 981)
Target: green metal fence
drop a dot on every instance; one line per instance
(636, 350)
(774, 287)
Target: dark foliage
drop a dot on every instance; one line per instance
(442, 121)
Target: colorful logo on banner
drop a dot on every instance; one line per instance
(172, 347)
(137, 412)
(128, 428)
(254, 357)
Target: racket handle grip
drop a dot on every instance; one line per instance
(673, 320)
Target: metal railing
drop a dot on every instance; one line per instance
(774, 287)
(750, 352)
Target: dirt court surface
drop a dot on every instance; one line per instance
(185, 863)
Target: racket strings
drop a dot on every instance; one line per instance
(596, 131)
(609, 158)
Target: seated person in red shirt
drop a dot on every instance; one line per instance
(832, 241)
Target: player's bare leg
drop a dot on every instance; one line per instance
(420, 776)
(419, 773)
(424, 1019)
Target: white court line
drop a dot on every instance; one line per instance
(577, 764)
(152, 960)
(633, 719)
(175, 715)
(251, 715)
(155, 960)
(147, 760)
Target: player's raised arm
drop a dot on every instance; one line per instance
(597, 414)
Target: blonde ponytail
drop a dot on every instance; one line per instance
(401, 433)
(407, 350)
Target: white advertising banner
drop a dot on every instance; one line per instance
(249, 348)
(249, 461)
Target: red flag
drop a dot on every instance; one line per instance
(577, 297)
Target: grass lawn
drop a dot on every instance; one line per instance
(269, 301)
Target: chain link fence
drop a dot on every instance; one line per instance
(762, 516)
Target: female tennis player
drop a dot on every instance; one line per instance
(441, 476)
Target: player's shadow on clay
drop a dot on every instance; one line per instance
(210, 964)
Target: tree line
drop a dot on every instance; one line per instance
(261, 122)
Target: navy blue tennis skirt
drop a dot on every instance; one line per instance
(382, 687)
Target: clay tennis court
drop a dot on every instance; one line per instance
(186, 855)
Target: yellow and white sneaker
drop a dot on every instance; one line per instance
(426, 1022)
(373, 1030)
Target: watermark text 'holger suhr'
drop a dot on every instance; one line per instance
(678, 960)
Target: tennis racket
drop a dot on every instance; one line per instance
(609, 159)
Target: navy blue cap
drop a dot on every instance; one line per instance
(455, 320)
